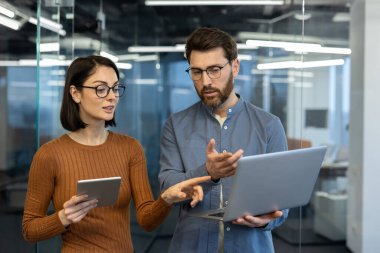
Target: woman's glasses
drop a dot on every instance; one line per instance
(103, 90)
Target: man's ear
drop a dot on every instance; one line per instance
(75, 94)
(235, 67)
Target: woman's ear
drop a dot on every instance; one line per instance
(75, 94)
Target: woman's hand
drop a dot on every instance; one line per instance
(185, 190)
(75, 209)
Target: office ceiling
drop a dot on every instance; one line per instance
(130, 22)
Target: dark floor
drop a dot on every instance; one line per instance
(161, 245)
(158, 241)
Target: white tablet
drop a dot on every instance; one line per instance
(105, 190)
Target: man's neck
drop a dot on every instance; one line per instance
(221, 111)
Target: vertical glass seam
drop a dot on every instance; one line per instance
(38, 40)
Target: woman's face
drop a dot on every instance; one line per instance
(92, 108)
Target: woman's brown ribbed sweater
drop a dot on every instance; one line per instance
(55, 170)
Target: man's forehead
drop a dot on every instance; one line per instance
(207, 58)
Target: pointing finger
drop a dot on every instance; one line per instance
(195, 181)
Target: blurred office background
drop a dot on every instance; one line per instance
(310, 62)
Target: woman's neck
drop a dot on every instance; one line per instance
(91, 136)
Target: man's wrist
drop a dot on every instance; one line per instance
(215, 180)
(263, 226)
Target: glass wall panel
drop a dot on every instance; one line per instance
(55, 52)
(325, 117)
(17, 118)
(281, 86)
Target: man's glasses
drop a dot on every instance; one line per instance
(213, 72)
(103, 90)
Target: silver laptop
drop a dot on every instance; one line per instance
(269, 182)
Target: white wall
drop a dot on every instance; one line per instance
(364, 170)
(314, 94)
(317, 97)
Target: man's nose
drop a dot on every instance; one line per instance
(205, 79)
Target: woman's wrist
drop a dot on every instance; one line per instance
(62, 217)
(165, 197)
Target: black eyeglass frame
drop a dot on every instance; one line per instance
(207, 71)
(118, 93)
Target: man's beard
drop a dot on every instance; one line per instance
(220, 98)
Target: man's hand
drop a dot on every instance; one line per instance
(257, 221)
(185, 190)
(220, 165)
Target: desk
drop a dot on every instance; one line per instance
(334, 169)
(332, 177)
(330, 201)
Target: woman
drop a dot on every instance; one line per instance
(89, 150)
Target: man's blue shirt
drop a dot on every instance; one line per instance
(183, 155)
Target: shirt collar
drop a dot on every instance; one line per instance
(230, 111)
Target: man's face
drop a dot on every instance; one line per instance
(213, 91)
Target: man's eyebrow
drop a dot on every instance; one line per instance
(214, 65)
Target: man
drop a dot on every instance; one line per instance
(224, 125)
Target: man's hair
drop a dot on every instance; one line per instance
(78, 72)
(205, 38)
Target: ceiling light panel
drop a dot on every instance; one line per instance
(299, 64)
(11, 23)
(212, 2)
(7, 12)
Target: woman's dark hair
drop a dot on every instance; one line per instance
(78, 72)
(205, 38)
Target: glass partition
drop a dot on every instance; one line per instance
(325, 117)
(17, 119)
(55, 51)
(294, 59)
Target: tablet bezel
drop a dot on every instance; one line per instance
(105, 190)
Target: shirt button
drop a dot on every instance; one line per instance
(229, 110)
(228, 228)
(226, 202)
(224, 151)
(225, 127)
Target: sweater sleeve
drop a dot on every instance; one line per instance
(36, 224)
(150, 213)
